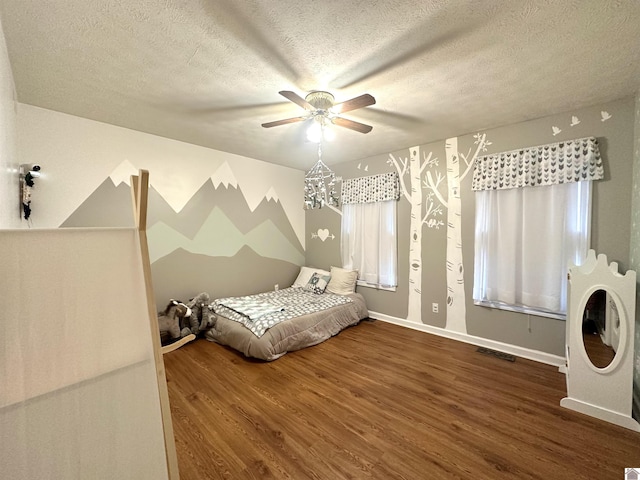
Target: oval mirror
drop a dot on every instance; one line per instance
(600, 329)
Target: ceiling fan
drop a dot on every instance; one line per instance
(321, 107)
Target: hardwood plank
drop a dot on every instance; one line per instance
(380, 401)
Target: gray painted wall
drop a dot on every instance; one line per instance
(610, 227)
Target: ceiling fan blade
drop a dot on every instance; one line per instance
(297, 99)
(283, 122)
(358, 102)
(350, 124)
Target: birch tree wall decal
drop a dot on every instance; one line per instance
(456, 309)
(414, 168)
(434, 203)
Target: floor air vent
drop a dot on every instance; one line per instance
(495, 353)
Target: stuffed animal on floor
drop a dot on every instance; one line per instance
(202, 317)
(170, 320)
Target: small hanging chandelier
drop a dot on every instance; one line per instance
(319, 185)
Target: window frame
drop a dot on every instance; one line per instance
(391, 228)
(583, 213)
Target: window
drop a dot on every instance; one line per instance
(525, 239)
(368, 241)
(533, 218)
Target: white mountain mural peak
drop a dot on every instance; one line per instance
(248, 177)
(272, 195)
(224, 176)
(122, 173)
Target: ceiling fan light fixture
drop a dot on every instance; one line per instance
(320, 100)
(319, 130)
(321, 106)
(329, 134)
(314, 132)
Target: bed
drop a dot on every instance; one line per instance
(266, 326)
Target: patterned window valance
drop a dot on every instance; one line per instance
(562, 162)
(375, 188)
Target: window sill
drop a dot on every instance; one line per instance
(520, 309)
(362, 283)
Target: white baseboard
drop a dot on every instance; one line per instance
(522, 352)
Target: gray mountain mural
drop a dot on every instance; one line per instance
(183, 275)
(231, 201)
(215, 244)
(107, 206)
(219, 236)
(110, 206)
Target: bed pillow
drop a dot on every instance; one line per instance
(305, 275)
(317, 283)
(343, 281)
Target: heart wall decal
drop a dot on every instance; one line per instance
(323, 234)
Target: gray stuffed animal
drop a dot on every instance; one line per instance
(202, 317)
(170, 321)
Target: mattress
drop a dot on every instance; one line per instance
(289, 335)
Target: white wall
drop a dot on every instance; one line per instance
(77, 155)
(9, 189)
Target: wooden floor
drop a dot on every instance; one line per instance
(385, 402)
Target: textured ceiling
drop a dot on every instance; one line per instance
(208, 71)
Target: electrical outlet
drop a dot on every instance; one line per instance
(276, 287)
(434, 307)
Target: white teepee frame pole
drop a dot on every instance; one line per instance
(139, 192)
